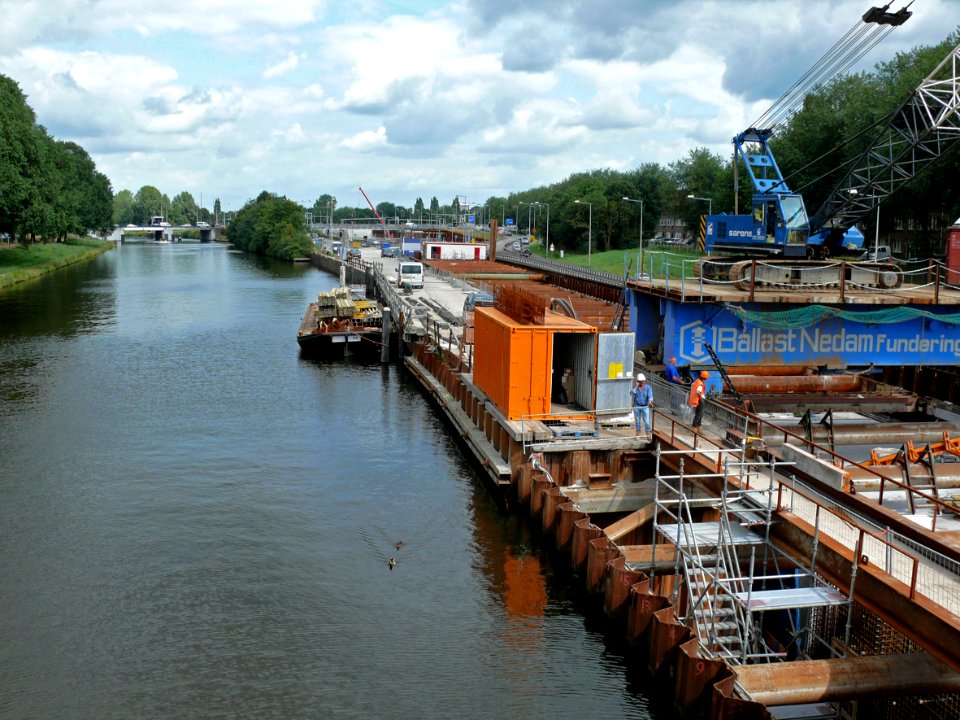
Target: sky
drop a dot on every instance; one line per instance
(410, 98)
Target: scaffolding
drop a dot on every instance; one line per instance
(747, 600)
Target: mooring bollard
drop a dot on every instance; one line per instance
(385, 337)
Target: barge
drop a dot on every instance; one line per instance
(339, 324)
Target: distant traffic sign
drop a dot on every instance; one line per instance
(509, 221)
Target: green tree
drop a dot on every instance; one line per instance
(21, 156)
(183, 209)
(123, 204)
(271, 225)
(386, 210)
(702, 174)
(146, 203)
(838, 122)
(418, 208)
(324, 207)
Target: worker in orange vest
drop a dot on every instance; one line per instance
(697, 391)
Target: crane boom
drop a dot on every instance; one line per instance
(386, 232)
(918, 133)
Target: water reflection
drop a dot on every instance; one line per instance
(195, 520)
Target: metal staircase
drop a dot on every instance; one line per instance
(728, 573)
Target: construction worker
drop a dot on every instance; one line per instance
(671, 373)
(642, 396)
(672, 376)
(697, 391)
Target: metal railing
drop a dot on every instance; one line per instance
(923, 571)
(759, 424)
(680, 273)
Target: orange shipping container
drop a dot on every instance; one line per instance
(513, 363)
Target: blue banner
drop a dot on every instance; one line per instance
(833, 342)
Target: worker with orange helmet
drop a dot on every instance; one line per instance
(697, 391)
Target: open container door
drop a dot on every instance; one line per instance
(614, 370)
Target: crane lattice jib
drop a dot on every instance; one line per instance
(919, 132)
(751, 146)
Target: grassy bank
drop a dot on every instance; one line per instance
(673, 262)
(18, 264)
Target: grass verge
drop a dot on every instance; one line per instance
(674, 263)
(19, 264)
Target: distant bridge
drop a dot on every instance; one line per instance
(168, 233)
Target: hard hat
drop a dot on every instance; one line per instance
(641, 376)
(704, 374)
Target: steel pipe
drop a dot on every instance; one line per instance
(770, 370)
(866, 480)
(886, 434)
(796, 383)
(811, 681)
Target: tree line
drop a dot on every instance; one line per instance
(813, 149)
(149, 202)
(271, 225)
(48, 188)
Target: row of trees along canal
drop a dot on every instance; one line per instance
(48, 188)
(807, 151)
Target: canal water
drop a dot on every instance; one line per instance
(196, 522)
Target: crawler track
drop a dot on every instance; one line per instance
(744, 274)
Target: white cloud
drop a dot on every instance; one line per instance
(366, 141)
(462, 98)
(284, 66)
(294, 134)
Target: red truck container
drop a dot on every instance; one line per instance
(953, 254)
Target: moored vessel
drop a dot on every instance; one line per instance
(340, 324)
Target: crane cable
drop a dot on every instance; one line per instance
(829, 72)
(883, 120)
(785, 99)
(852, 47)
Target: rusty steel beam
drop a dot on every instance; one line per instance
(925, 622)
(849, 678)
(769, 370)
(797, 383)
(866, 480)
(888, 434)
(798, 402)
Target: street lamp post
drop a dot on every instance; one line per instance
(876, 237)
(626, 199)
(709, 202)
(546, 245)
(522, 202)
(589, 228)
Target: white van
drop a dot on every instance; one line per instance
(410, 273)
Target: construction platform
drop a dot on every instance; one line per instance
(752, 560)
